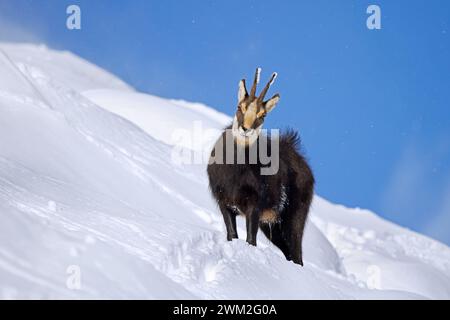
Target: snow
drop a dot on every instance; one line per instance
(93, 207)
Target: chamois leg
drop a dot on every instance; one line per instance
(274, 234)
(252, 223)
(295, 233)
(229, 217)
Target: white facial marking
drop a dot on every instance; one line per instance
(250, 115)
(242, 137)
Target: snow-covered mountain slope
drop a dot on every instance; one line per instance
(91, 205)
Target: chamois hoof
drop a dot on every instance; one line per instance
(300, 262)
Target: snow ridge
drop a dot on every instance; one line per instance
(92, 207)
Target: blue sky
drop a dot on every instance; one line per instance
(372, 106)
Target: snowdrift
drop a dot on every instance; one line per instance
(91, 206)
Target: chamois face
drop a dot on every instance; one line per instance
(251, 110)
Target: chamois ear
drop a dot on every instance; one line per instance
(271, 103)
(242, 93)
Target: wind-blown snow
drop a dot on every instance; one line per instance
(87, 184)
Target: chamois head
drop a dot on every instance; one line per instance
(251, 109)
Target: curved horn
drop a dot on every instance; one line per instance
(266, 88)
(255, 82)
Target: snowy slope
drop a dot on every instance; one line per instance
(87, 184)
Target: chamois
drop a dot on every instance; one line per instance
(277, 203)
